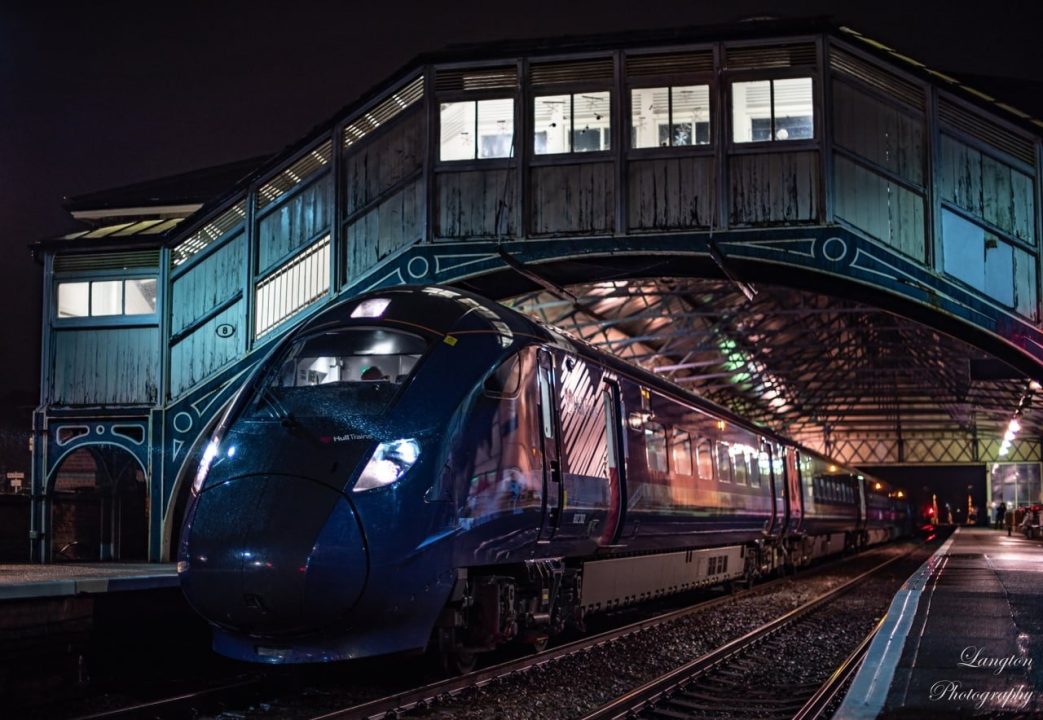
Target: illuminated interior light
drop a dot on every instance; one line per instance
(1014, 426)
(371, 308)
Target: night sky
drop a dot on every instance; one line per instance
(99, 94)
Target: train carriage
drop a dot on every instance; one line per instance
(422, 465)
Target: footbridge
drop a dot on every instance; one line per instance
(793, 220)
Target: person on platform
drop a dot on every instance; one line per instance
(1008, 520)
(1001, 513)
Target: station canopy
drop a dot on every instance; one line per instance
(841, 376)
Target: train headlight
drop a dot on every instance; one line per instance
(389, 462)
(204, 466)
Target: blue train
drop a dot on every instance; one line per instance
(423, 468)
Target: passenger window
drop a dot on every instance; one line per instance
(756, 468)
(739, 469)
(681, 453)
(724, 463)
(655, 447)
(704, 459)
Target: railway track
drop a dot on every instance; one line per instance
(439, 693)
(748, 677)
(247, 691)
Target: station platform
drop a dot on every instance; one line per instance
(962, 638)
(25, 581)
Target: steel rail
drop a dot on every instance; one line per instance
(631, 703)
(816, 705)
(186, 701)
(418, 698)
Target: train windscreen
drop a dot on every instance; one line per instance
(354, 370)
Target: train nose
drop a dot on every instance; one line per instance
(273, 555)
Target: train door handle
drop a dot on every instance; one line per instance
(555, 471)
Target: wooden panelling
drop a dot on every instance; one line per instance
(1026, 301)
(395, 223)
(1007, 196)
(207, 285)
(774, 188)
(372, 168)
(987, 188)
(573, 199)
(106, 366)
(878, 132)
(203, 352)
(670, 193)
(880, 207)
(475, 204)
(294, 223)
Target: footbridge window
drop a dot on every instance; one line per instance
(671, 116)
(773, 110)
(476, 129)
(107, 298)
(572, 123)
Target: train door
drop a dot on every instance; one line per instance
(860, 488)
(588, 418)
(794, 497)
(615, 464)
(771, 527)
(550, 446)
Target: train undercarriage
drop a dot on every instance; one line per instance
(529, 603)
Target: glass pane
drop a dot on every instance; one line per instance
(751, 111)
(552, 121)
(794, 109)
(655, 447)
(495, 128)
(724, 464)
(977, 257)
(140, 297)
(356, 370)
(592, 128)
(739, 467)
(457, 131)
(73, 299)
(681, 453)
(690, 121)
(107, 298)
(649, 117)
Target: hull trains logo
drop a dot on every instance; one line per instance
(347, 437)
